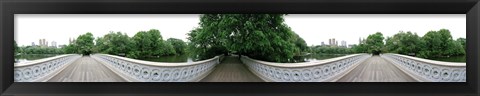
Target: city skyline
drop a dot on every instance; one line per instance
(313, 28)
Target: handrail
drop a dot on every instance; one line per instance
(43, 69)
(329, 70)
(39, 61)
(164, 64)
(424, 70)
(305, 64)
(441, 63)
(134, 70)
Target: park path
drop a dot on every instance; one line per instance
(86, 69)
(376, 69)
(231, 70)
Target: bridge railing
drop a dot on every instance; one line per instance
(145, 71)
(329, 70)
(425, 70)
(42, 70)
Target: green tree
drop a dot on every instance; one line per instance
(300, 44)
(260, 36)
(70, 48)
(178, 45)
(84, 43)
(404, 43)
(463, 42)
(149, 43)
(166, 48)
(114, 43)
(440, 44)
(15, 47)
(374, 43)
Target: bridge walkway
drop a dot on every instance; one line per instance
(86, 69)
(231, 70)
(376, 69)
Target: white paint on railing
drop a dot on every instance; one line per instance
(428, 70)
(328, 70)
(43, 69)
(145, 71)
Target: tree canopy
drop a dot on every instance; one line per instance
(404, 43)
(260, 36)
(85, 43)
(15, 47)
(178, 45)
(439, 44)
(375, 43)
(113, 43)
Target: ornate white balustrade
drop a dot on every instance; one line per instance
(425, 70)
(43, 69)
(144, 71)
(329, 70)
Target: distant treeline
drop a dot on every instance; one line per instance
(433, 44)
(143, 44)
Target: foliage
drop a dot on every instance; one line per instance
(331, 50)
(15, 47)
(40, 50)
(301, 44)
(148, 44)
(113, 43)
(85, 43)
(178, 45)
(374, 43)
(70, 49)
(440, 44)
(260, 36)
(463, 41)
(404, 43)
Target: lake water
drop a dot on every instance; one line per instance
(462, 58)
(30, 57)
(316, 57)
(174, 58)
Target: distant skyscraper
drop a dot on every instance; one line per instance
(54, 44)
(344, 43)
(332, 42)
(40, 42)
(323, 43)
(329, 41)
(359, 40)
(33, 43)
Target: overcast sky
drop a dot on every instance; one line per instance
(314, 28)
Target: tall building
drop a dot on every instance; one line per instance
(332, 42)
(33, 43)
(40, 42)
(359, 40)
(70, 40)
(323, 43)
(54, 44)
(344, 43)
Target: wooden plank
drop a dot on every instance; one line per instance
(86, 69)
(231, 70)
(376, 69)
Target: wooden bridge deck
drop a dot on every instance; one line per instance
(376, 69)
(86, 69)
(231, 70)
